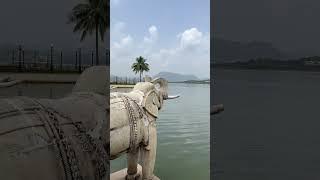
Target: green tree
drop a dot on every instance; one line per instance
(91, 16)
(140, 66)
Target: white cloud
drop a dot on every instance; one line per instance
(188, 55)
(124, 42)
(117, 30)
(152, 36)
(190, 38)
(122, 48)
(121, 43)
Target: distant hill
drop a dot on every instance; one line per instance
(230, 51)
(175, 77)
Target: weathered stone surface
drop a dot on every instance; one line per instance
(93, 80)
(57, 139)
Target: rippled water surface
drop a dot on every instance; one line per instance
(183, 135)
(183, 128)
(270, 128)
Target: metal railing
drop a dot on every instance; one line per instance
(123, 80)
(53, 60)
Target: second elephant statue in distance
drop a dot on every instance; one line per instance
(133, 124)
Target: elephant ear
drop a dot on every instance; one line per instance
(151, 103)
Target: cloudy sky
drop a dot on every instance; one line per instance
(38, 23)
(291, 25)
(172, 36)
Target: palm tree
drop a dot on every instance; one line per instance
(91, 16)
(140, 65)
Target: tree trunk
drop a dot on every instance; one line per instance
(140, 75)
(97, 43)
(61, 61)
(75, 67)
(92, 58)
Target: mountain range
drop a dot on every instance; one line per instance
(230, 51)
(169, 76)
(175, 77)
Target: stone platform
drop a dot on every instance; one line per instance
(121, 174)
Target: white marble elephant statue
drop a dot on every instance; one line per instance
(57, 139)
(133, 125)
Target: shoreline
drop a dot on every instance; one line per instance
(237, 67)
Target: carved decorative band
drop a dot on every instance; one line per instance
(132, 109)
(67, 150)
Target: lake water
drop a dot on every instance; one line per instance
(270, 128)
(183, 128)
(183, 135)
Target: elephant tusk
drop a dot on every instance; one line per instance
(173, 97)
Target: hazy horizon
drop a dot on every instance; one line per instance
(153, 75)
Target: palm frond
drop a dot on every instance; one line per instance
(140, 65)
(89, 15)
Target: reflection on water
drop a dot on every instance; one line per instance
(37, 90)
(183, 135)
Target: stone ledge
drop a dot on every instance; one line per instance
(121, 174)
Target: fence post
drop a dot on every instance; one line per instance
(23, 59)
(51, 58)
(12, 56)
(20, 48)
(61, 60)
(34, 57)
(47, 61)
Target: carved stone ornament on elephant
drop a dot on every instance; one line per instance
(133, 124)
(57, 139)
